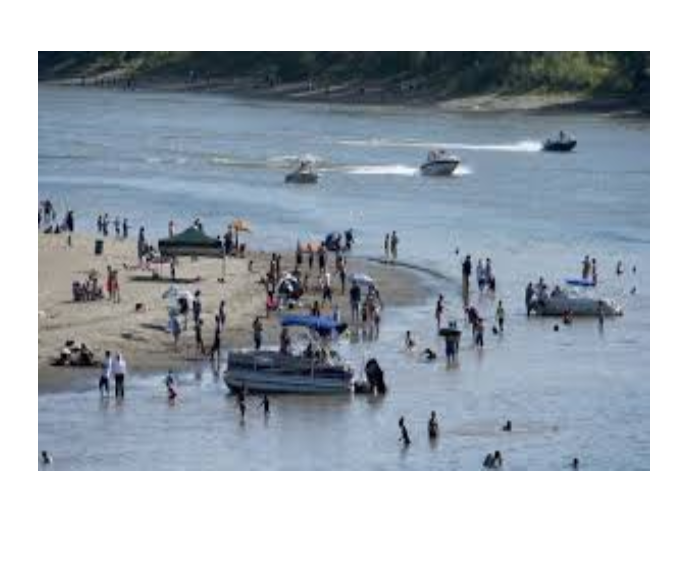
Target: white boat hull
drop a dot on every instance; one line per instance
(271, 372)
(577, 306)
(261, 382)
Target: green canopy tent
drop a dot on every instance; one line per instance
(192, 243)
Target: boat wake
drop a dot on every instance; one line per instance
(395, 169)
(524, 146)
(280, 162)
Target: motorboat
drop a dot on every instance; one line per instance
(562, 144)
(560, 302)
(305, 173)
(439, 163)
(317, 369)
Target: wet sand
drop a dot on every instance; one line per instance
(142, 336)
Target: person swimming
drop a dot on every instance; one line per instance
(409, 342)
(429, 354)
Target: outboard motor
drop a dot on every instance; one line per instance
(375, 376)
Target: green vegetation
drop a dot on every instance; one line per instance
(607, 73)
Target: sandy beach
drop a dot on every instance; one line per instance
(141, 335)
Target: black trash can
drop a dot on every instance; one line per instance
(98, 246)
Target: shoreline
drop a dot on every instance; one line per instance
(353, 93)
(142, 336)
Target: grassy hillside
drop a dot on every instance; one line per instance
(594, 73)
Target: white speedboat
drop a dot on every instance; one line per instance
(439, 163)
(305, 173)
(316, 370)
(560, 302)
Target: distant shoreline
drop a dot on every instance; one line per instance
(374, 94)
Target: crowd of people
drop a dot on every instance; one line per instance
(120, 226)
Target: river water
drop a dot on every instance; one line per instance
(576, 392)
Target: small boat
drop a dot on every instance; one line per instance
(439, 163)
(305, 173)
(560, 303)
(562, 144)
(316, 370)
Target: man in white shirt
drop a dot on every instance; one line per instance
(106, 367)
(119, 369)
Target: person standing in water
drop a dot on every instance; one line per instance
(215, 347)
(198, 327)
(387, 246)
(355, 302)
(405, 439)
(241, 403)
(266, 404)
(394, 246)
(171, 390)
(106, 368)
(120, 376)
(222, 315)
(466, 276)
(586, 265)
(594, 271)
(528, 297)
(433, 427)
(439, 310)
(500, 316)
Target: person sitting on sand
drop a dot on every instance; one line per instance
(85, 356)
(508, 426)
